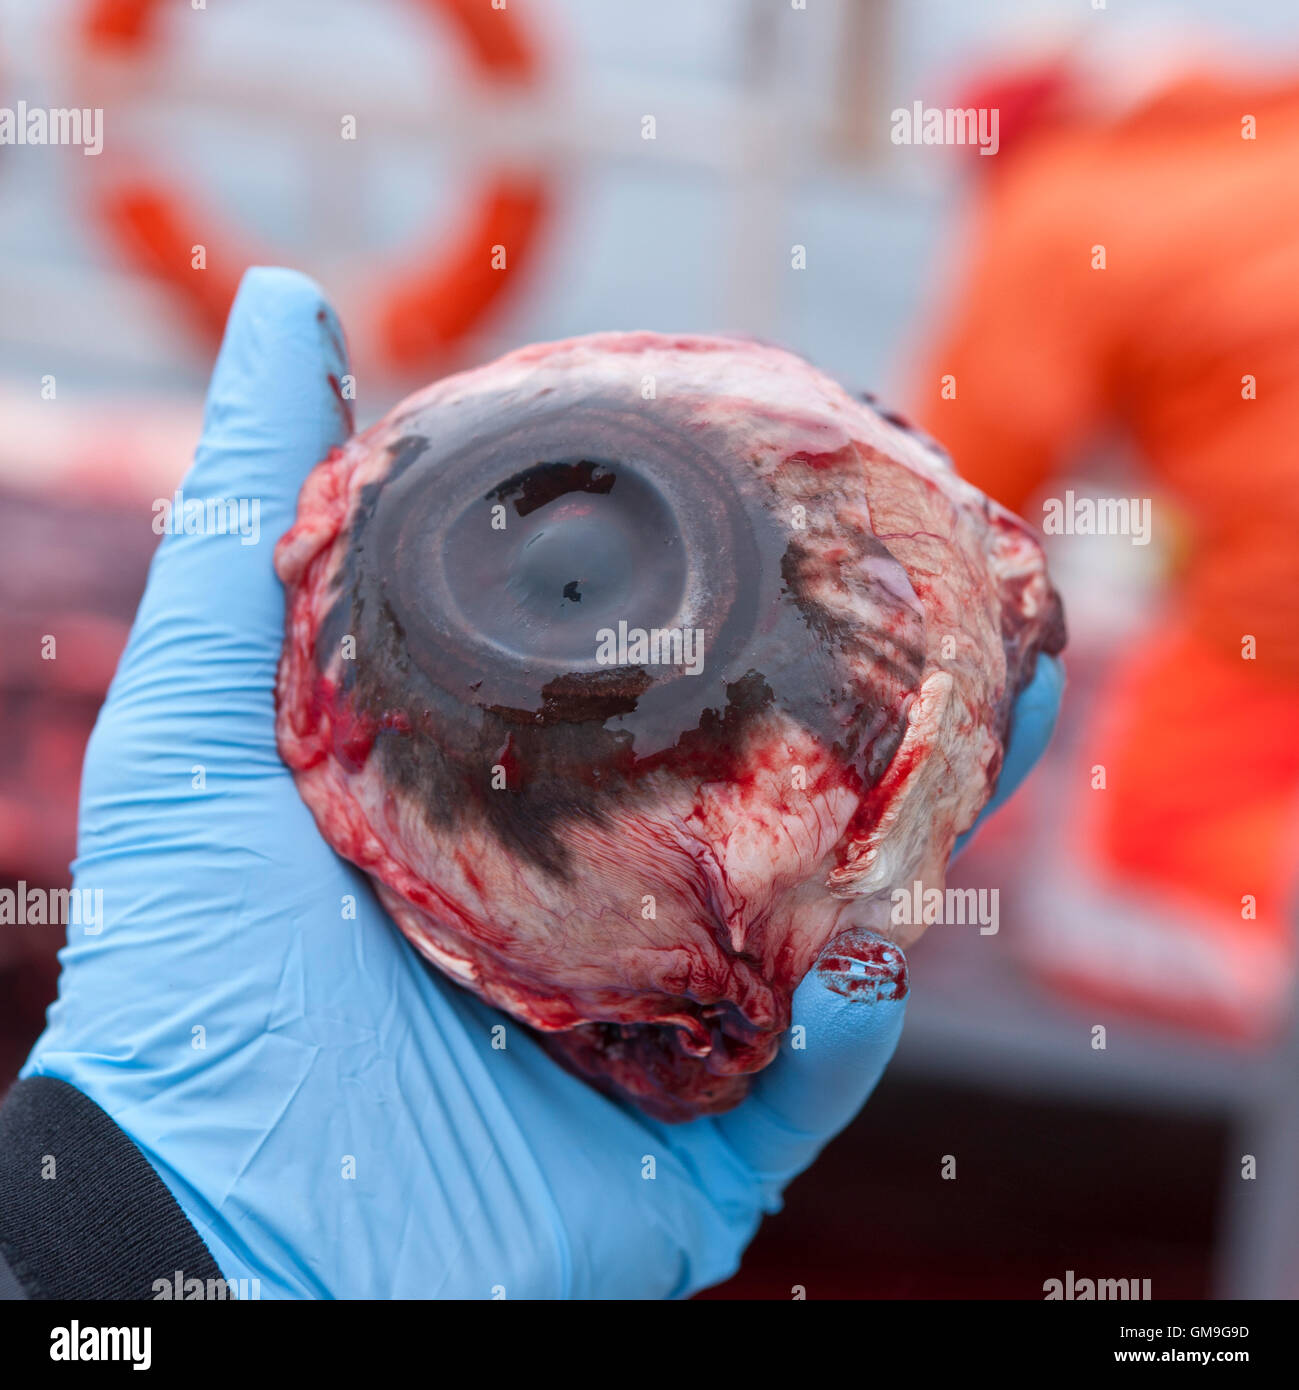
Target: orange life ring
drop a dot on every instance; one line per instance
(413, 322)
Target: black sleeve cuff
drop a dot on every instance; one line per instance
(82, 1212)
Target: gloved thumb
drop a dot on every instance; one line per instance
(846, 1018)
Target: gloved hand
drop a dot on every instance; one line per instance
(1031, 728)
(331, 1116)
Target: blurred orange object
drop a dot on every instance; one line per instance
(423, 308)
(1139, 271)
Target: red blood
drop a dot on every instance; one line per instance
(744, 649)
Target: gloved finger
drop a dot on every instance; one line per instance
(846, 1020)
(1031, 726)
(213, 611)
(847, 1013)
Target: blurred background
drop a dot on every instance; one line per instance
(1103, 310)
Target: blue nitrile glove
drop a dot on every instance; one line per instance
(1031, 728)
(331, 1116)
